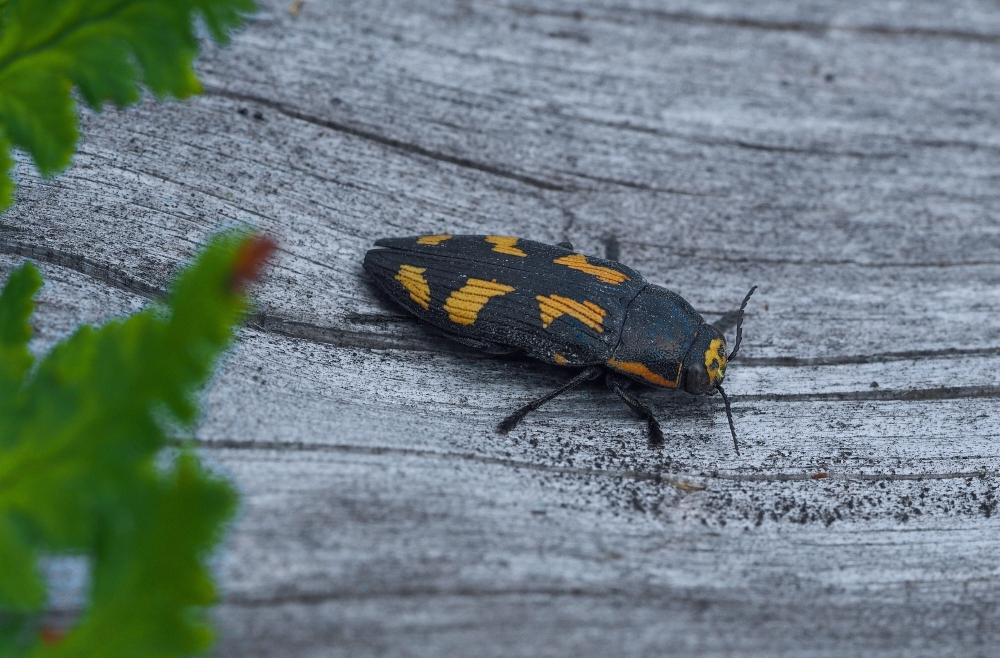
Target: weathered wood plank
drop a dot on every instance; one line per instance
(842, 156)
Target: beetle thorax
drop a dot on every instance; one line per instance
(658, 332)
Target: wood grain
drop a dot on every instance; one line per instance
(842, 156)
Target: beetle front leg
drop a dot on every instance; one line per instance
(619, 384)
(511, 421)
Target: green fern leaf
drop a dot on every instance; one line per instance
(6, 164)
(80, 433)
(104, 48)
(16, 306)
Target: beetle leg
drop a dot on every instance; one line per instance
(618, 384)
(511, 421)
(611, 248)
(565, 245)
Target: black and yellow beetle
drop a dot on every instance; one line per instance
(503, 295)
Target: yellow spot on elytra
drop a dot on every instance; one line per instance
(433, 239)
(560, 359)
(579, 262)
(636, 368)
(412, 279)
(505, 245)
(464, 304)
(715, 361)
(553, 306)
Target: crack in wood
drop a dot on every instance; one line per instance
(317, 598)
(83, 265)
(856, 263)
(708, 141)
(806, 27)
(885, 357)
(379, 318)
(879, 395)
(281, 326)
(640, 186)
(863, 477)
(801, 150)
(400, 145)
(726, 257)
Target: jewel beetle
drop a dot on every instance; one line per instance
(504, 294)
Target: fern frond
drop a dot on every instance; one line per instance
(105, 49)
(80, 435)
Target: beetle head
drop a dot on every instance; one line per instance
(705, 362)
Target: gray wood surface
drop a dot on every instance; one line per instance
(844, 156)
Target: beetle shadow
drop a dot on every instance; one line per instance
(666, 404)
(594, 400)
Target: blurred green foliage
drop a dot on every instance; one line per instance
(82, 470)
(103, 48)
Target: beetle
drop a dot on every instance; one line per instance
(503, 294)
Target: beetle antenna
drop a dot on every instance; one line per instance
(729, 415)
(739, 331)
